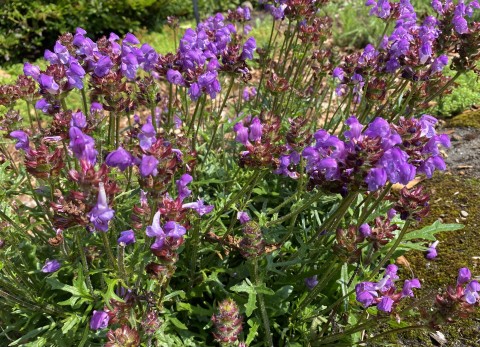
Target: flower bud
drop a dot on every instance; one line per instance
(228, 323)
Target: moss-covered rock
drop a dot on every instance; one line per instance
(469, 119)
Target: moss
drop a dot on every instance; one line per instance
(467, 119)
(449, 196)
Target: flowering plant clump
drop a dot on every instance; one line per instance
(226, 193)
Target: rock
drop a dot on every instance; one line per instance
(464, 213)
(456, 137)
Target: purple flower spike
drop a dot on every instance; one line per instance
(464, 275)
(148, 166)
(78, 120)
(183, 191)
(243, 217)
(99, 320)
(175, 230)
(432, 251)
(248, 49)
(199, 206)
(101, 214)
(22, 139)
(119, 158)
(51, 266)
(311, 282)
(127, 237)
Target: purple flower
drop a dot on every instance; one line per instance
(129, 66)
(194, 91)
(31, 70)
(385, 304)
(182, 189)
(175, 77)
(43, 105)
(439, 63)
(103, 66)
(83, 146)
(432, 251)
(48, 83)
(127, 237)
(99, 320)
(460, 24)
(131, 39)
(391, 213)
(78, 120)
(365, 230)
(471, 292)
(338, 73)
(243, 217)
(255, 130)
(366, 293)
(408, 285)
(51, 266)
(242, 133)
(22, 139)
(119, 158)
(174, 229)
(96, 107)
(147, 135)
(155, 230)
(248, 48)
(101, 214)
(148, 166)
(311, 282)
(199, 206)
(249, 93)
(464, 275)
(376, 178)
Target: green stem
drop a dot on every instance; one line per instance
(84, 101)
(263, 311)
(108, 249)
(83, 259)
(121, 262)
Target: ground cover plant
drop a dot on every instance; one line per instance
(226, 193)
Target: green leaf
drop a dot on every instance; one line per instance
(428, 232)
(177, 323)
(252, 332)
(70, 322)
(251, 304)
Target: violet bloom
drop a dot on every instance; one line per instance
(311, 282)
(99, 320)
(255, 130)
(155, 230)
(243, 217)
(439, 63)
(175, 77)
(366, 293)
(365, 230)
(183, 191)
(127, 237)
(102, 66)
(385, 304)
(242, 133)
(432, 251)
(376, 178)
(43, 105)
(83, 147)
(75, 74)
(147, 135)
(391, 213)
(119, 158)
(22, 139)
(248, 48)
(199, 206)
(48, 83)
(31, 70)
(249, 93)
(148, 166)
(464, 275)
(96, 107)
(51, 266)
(129, 66)
(471, 292)
(174, 229)
(338, 73)
(101, 214)
(78, 120)
(408, 285)
(131, 39)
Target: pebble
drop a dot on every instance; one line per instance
(456, 137)
(464, 213)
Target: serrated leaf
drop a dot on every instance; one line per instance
(428, 232)
(251, 304)
(252, 332)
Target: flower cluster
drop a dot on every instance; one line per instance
(370, 156)
(383, 293)
(227, 322)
